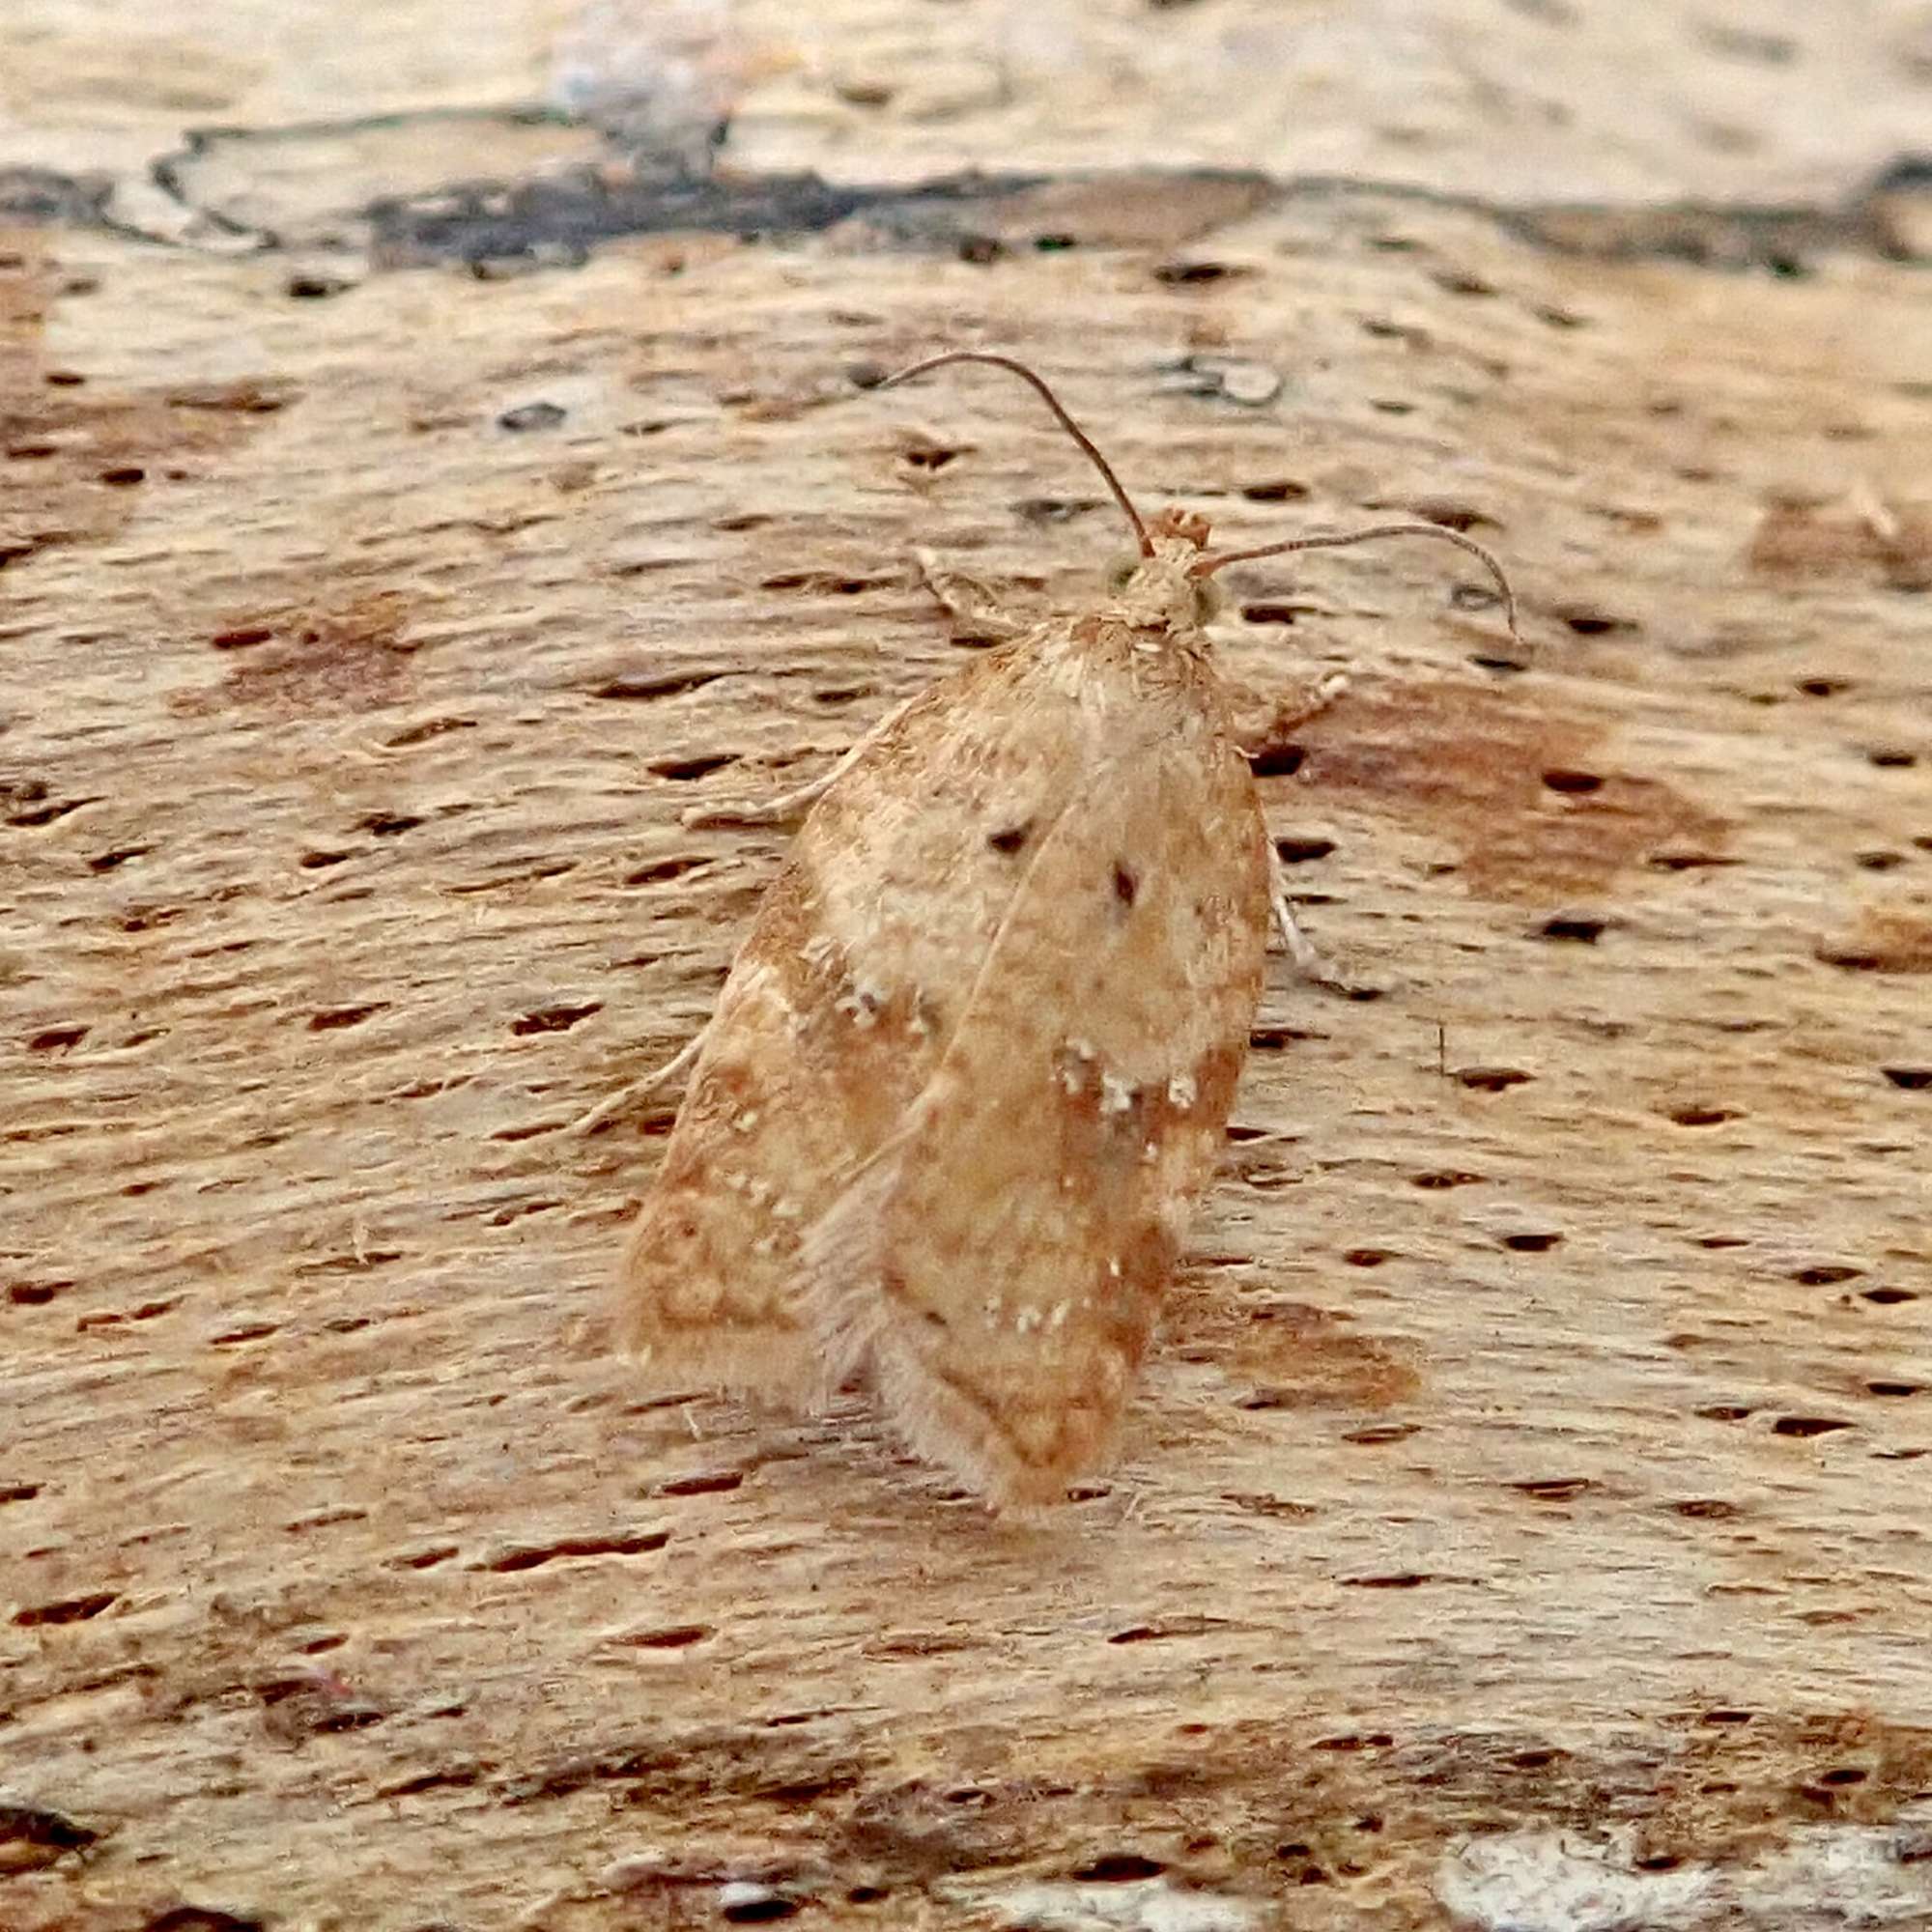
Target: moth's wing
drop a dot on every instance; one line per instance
(860, 964)
(1000, 1262)
(765, 1128)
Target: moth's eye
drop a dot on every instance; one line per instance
(1120, 572)
(1209, 600)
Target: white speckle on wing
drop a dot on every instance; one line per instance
(861, 1005)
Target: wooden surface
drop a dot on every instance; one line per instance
(1525, 1521)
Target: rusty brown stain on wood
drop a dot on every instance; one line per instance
(78, 454)
(1531, 802)
(347, 658)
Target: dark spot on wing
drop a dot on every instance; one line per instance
(1127, 883)
(1011, 840)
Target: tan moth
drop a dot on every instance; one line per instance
(973, 1065)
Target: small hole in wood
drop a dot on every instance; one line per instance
(1491, 1080)
(767, 1910)
(1277, 762)
(1118, 1867)
(1596, 623)
(1582, 930)
(684, 770)
(1197, 274)
(1303, 851)
(1562, 778)
(665, 869)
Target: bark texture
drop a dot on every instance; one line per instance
(407, 509)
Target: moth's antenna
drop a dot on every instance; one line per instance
(1207, 566)
(1053, 402)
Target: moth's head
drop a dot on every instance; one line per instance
(1155, 591)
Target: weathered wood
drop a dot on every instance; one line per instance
(1529, 1497)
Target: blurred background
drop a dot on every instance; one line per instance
(1651, 99)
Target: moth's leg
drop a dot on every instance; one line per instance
(1257, 729)
(1307, 956)
(1308, 959)
(792, 806)
(643, 1089)
(973, 604)
(1324, 697)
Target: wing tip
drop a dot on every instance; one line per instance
(1013, 1463)
(945, 1426)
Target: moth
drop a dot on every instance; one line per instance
(971, 1069)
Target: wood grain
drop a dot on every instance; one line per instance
(1529, 1487)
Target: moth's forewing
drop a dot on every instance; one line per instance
(836, 1012)
(999, 1263)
